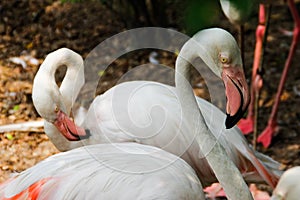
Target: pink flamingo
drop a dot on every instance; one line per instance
(266, 136)
(247, 125)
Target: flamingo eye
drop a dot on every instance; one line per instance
(224, 60)
(56, 109)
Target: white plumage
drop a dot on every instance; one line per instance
(162, 116)
(107, 171)
(288, 187)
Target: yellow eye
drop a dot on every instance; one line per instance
(224, 60)
(56, 109)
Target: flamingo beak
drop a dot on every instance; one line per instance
(237, 94)
(68, 128)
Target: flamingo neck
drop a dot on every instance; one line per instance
(214, 153)
(67, 92)
(74, 78)
(189, 106)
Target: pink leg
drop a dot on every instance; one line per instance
(213, 191)
(266, 136)
(246, 125)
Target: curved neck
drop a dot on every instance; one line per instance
(66, 94)
(74, 78)
(224, 169)
(183, 66)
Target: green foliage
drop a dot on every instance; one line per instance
(200, 14)
(9, 136)
(16, 107)
(244, 6)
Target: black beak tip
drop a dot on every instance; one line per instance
(231, 121)
(88, 134)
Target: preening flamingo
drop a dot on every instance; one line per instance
(246, 125)
(106, 171)
(176, 133)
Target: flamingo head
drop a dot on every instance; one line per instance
(222, 54)
(67, 127)
(48, 99)
(50, 106)
(236, 89)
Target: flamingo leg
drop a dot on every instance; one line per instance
(266, 136)
(246, 125)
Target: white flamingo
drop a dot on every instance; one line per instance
(222, 56)
(107, 171)
(288, 187)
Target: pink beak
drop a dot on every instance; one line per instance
(68, 128)
(237, 94)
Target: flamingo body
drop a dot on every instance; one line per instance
(288, 187)
(164, 127)
(173, 122)
(107, 171)
(151, 113)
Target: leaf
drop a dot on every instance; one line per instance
(29, 45)
(101, 73)
(285, 96)
(16, 107)
(9, 136)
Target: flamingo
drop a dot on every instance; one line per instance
(175, 136)
(236, 15)
(266, 136)
(106, 171)
(288, 186)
